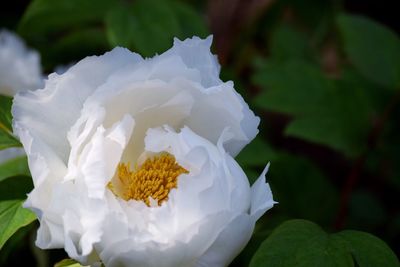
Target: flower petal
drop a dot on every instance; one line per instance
(229, 243)
(51, 112)
(261, 196)
(20, 67)
(195, 53)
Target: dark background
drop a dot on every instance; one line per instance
(342, 171)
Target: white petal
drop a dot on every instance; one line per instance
(196, 54)
(261, 196)
(43, 164)
(131, 252)
(101, 156)
(229, 243)
(20, 67)
(213, 182)
(218, 108)
(79, 218)
(51, 112)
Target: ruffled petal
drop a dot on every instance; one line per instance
(179, 252)
(195, 53)
(49, 114)
(261, 196)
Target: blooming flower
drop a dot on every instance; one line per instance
(132, 160)
(20, 67)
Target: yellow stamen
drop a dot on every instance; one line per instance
(154, 178)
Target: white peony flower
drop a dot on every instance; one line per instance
(20, 67)
(132, 160)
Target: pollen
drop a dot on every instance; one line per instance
(155, 178)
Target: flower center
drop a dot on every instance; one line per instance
(154, 178)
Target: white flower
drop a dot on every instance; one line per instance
(20, 67)
(132, 160)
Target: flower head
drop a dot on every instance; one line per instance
(132, 160)
(20, 67)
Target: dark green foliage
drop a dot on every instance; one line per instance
(303, 243)
(372, 48)
(148, 26)
(6, 137)
(325, 83)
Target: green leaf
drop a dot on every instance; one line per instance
(296, 183)
(366, 249)
(68, 263)
(15, 245)
(372, 48)
(327, 112)
(300, 243)
(293, 87)
(14, 167)
(256, 154)
(7, 140)
(6, 137)
(78, 44)
(65, 30)
(120, 27)
(134, 25)
(342, 121)
(43, 17)
(16, 187)
(5, 111)
(288, 44)
(263, 229)
(190, 21)
(12, 217)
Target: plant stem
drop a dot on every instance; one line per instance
(355, 172)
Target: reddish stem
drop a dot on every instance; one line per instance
(356, 170)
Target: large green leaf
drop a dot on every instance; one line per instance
(43, 17)
(372, 48)
(300, 243)
(342, 121)
(366, 249)
(12, 217)
(14, 167)
(324, 111)
(78, 44)
(303, 243)
(6, 137)
(65, 30)
(292, 87)
(134, 25)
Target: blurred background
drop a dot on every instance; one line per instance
(323, 75)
